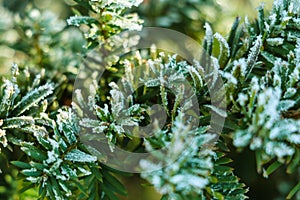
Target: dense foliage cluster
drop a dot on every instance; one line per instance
(50, 140)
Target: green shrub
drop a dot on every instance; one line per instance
(54, 125)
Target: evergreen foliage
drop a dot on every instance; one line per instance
(40, 129)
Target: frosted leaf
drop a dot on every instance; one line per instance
(197, 79)
(297, 53)
(272, 19)
(208, 34)
(253, 55)
(239, 68)
(152, 83)
(55, 166)
(129, 21)
(121, 4)
(10, 90)
(60, 177)
(283, 129)
(89, 123)
(199, 68)
(66, 170)
(276, 80)
(65, 188)
(117, 128)
(256, 143)
(224, 48)
(31, 172)
(3, 139)
(78, 20)
(224, 43)
(254, 85)
(34, 179)
(178, 178)
(80, 98)
(79, 156)
(52, 157)
(294, 138)
(57, 195)
(84, 171)
(99, 129)
(103, 113)
(219, 111)
(117, 102)
(183, 181)
(53, 143)
(285, 105)
(242, 138)
(279, 149)
(17, 122)
(290, 92)
(242, 99)
(275, 41)
(294, 76)
(296, 20)
(129, 122)
(230, 78)
(32, 98)
(67, 124)
(147, 165)
(212, 76)
(269, 99)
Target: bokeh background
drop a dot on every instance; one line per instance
(35, 33)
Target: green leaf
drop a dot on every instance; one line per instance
(108, 192)
(38, 166)
(293, 191)
(223, 160)
(261, 19)
(25, 188)
(294, 163)
(20, 164)
(115, 183)
(233, 32)
(273, 167)
(97, 174)
(81, 188)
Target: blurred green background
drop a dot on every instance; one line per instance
(57, 45)
(187, 16)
